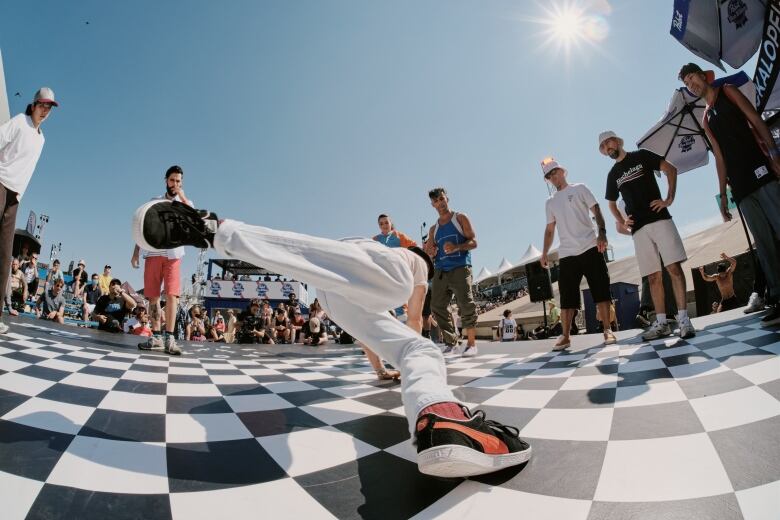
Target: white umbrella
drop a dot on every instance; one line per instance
(718, 30)
(678, 136)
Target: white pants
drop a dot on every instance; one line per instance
(358, 281)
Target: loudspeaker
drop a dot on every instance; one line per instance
(539, 284)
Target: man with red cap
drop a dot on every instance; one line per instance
(21, 143)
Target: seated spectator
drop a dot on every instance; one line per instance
(196, 329)
(507, 327)
(250, 327)
(111, 309)
(213, 333)
(30, 270)
(219, 322)
(296, 326)
(90, 296)
(281, 325)
(18, 289)
(51, 304)
(313, 333)
(292, 305)
(54, 274)
(80, 279)
(139, 323)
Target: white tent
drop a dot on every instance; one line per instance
(483, 275)
(504, 266)
(532, 254)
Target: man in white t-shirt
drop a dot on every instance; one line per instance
(581, 251)
(21, 143)
(507, 327)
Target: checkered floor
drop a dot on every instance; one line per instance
(90, 427)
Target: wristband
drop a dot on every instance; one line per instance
(603, 230)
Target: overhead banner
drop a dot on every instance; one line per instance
(767, 66)
(32, 221)
(247, 289)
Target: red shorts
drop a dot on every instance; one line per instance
(159, 269)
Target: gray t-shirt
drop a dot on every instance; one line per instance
(51, 302)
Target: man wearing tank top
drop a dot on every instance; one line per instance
(747, 158)
(449, 243)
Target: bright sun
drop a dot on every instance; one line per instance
(569, 24)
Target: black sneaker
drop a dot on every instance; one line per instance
(772, 317)
(162, 224)
(452, 448)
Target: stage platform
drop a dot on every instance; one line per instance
(92, 428)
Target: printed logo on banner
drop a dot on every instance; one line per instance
(238, 289)
(737, 13)
(287, 288)
(262, 289)
(677, 21)
(766, 69)
(686, 143)
(215, 288)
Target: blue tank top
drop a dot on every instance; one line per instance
(449, 233)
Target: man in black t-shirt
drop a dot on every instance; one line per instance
(657, 242)
(250, 328)
(740, 143)
(111, 309)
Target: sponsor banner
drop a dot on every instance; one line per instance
(243, 289)
(32, 221)
(767, 65)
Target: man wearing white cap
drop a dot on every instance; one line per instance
(657, 242)
(581, 250)
(21, 143)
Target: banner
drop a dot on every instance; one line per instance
(248, 289)
(767, 65)
(32, 221)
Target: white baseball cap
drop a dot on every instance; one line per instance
(549, 164)
(45, 95)
(603, 136)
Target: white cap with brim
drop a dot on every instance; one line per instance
(314, 325)
(45, 95)
(603, 136)
(549, 165)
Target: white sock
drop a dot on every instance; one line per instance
(660, 318)
(682, 315)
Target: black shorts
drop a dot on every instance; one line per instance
(426, 310)
(729, 303)
(592, 265)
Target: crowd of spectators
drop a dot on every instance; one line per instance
(485, 304)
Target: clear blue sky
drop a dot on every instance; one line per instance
(317, 116)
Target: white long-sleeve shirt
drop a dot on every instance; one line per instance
(20, 147)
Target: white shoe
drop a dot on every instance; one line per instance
(657, 330)
(755, 303)
(3, 328)
(470, 351)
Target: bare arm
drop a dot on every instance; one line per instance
(468, 233)
(671, 177)
(601, 240)
(720, 167)
(549, 235)
(732, 262)
(706, 277)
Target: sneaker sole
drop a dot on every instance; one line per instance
(153, 349)
(775, 321)
(688, 335)
(470, 352)
(460, 461)
(138, 225)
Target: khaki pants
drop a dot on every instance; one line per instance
(446, 285)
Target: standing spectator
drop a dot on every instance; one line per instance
(450, 242)
(164, 267)
(292, 305)
(80, 279)
(18, 293)
(30, 270)
(657, 242)
(390, 236)
(91, 295)
(51, 304)
(507, 327)
(581, 250)
(54, 274)
(741, 142)
(21, 143)
(105, 280)
(725, 281)
(111, 309)
(230, 331)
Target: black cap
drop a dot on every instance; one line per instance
(425, 257)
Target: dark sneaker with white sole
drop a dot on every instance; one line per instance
(772, 317)
(163, 224)
(453, 448)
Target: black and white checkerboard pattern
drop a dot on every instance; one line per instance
(669, 429)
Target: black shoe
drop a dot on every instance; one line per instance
(452, 448)
(162, 224)
(772, 317)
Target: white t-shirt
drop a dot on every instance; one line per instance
(171, 254)
(508, 328)
(20, 148)
(570, 210)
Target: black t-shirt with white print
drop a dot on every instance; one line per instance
(633, 178)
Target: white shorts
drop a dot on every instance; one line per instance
(656, 242)
(418, 266)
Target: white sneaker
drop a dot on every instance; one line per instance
(657, 330)
(470, 351)
(755, 303)
(686, 329)
(3, 328)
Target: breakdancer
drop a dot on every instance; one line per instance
(357, 281)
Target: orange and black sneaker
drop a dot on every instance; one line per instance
(452, 448)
